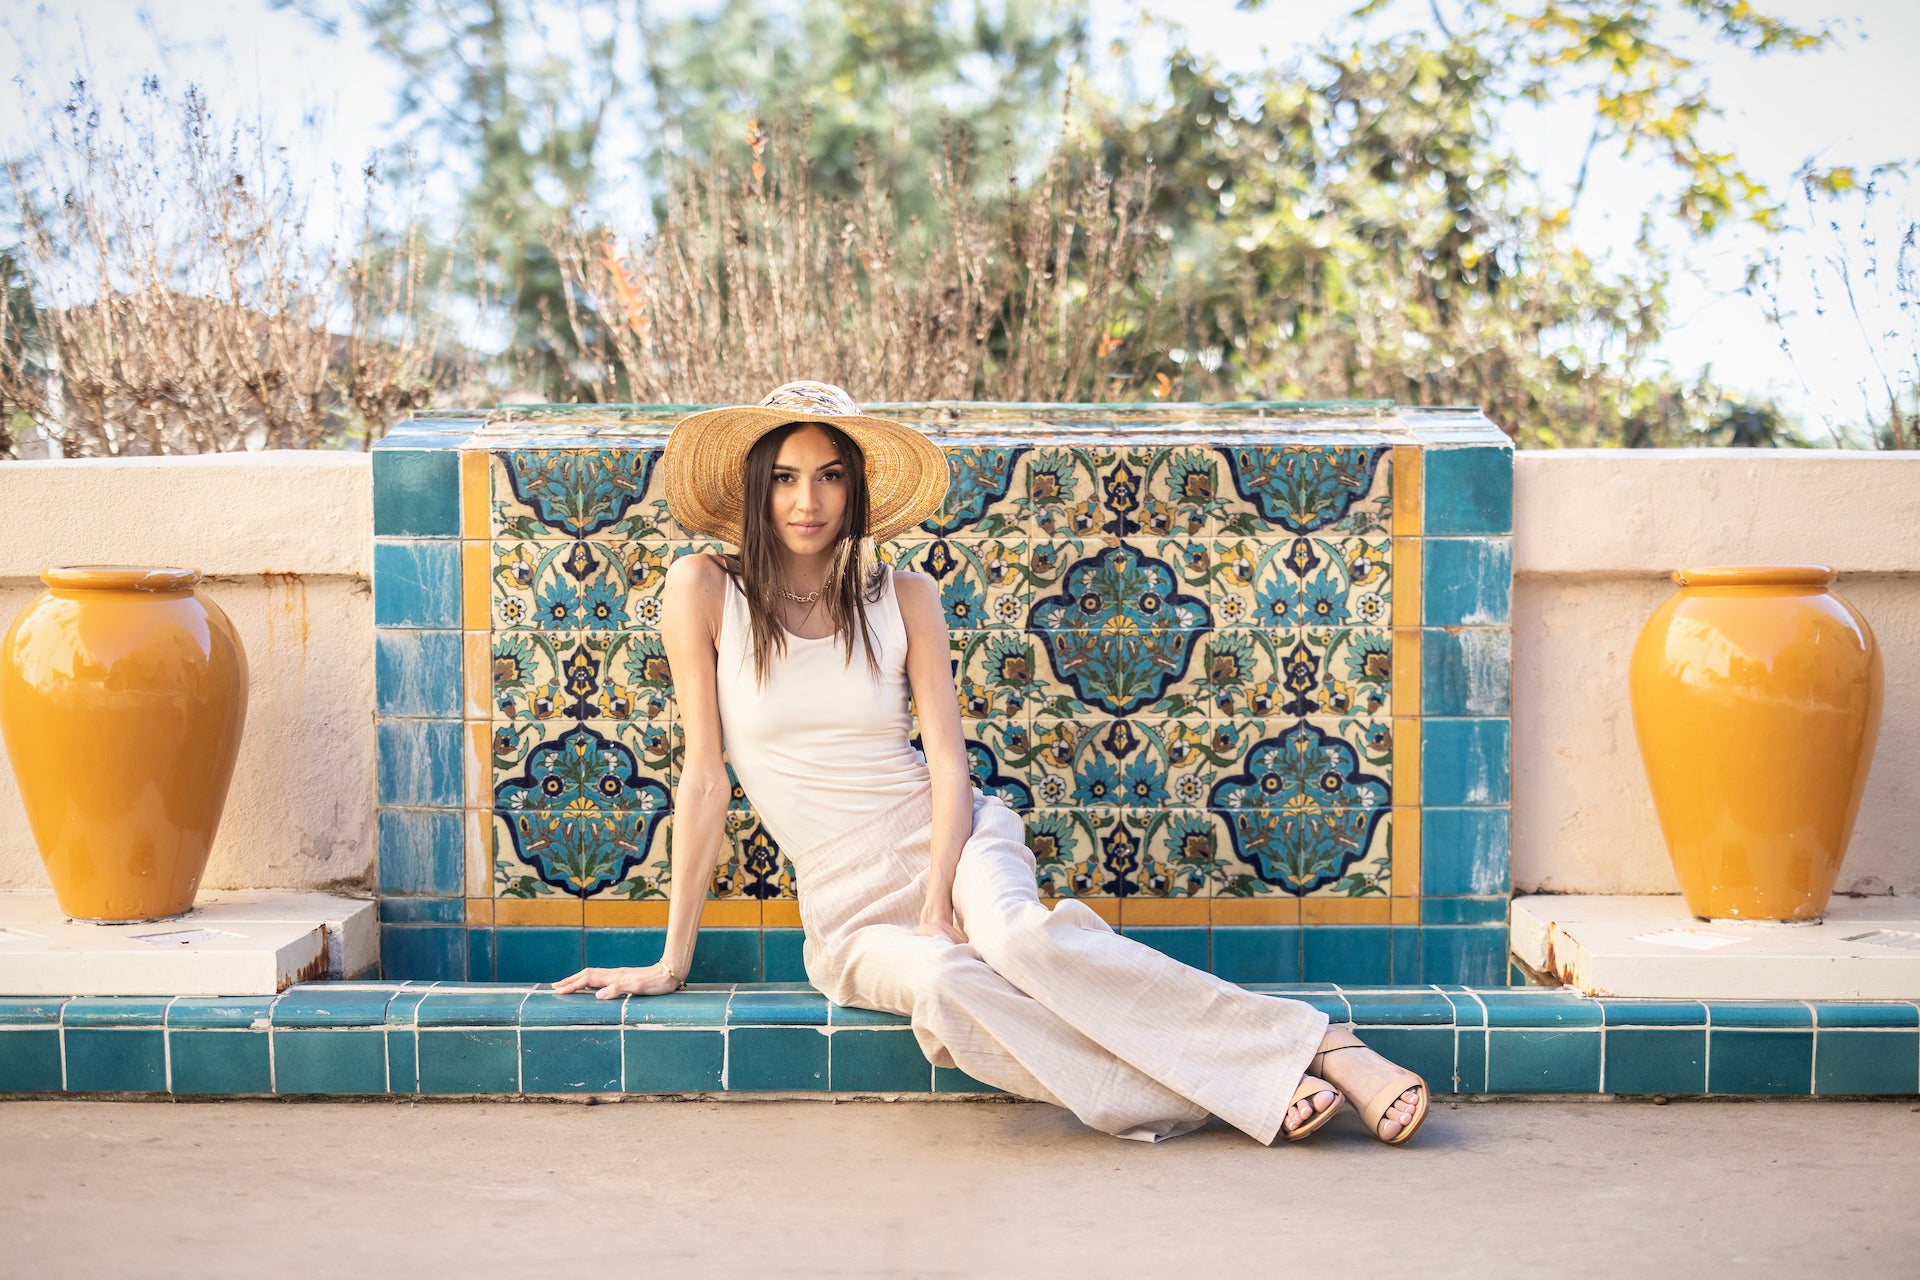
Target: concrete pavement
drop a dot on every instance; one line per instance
(999, 1189)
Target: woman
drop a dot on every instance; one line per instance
(917, 892)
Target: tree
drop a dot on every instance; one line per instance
(1355, 225)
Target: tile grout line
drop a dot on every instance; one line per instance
(1813, 1057)
(273, 1041)
(519, 1062)
(1706, 1054)
(166, 1044)
(63, 1044)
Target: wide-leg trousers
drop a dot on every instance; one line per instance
(1045, 1004)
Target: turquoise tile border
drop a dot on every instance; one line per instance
(417, 673)
(672, 1060)
(870, 1060)
(1467, 582)
(30, 1060)
(416, 492)
(219, 1062)
(776, 1059)
(1656, 1060)
(419, 764)
(1464, 852)
(422, 851)
(115, 1059)
(460, 1038)
(1466, 671)
(1465, 762)
(416, 584)
(1468, 490)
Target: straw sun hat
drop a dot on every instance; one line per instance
(706, 459)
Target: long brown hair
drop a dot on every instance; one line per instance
(852, 582)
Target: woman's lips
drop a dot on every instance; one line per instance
(811, 528)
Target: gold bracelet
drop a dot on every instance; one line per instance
(678, 981)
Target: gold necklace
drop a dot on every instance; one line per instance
(808, 598)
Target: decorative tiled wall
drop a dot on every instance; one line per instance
(1244, 668)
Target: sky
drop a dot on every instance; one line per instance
(1835, 106)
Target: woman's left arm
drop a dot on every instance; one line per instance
(930, 676)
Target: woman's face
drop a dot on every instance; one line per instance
(809, 494)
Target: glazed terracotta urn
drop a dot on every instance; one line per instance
(1756, 701)
(123, 693)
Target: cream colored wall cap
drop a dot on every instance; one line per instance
(1647, 511)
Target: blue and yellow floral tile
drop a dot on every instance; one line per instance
(1134, 763)
(580, 764)
(982, 583)
(751, 866)
(579, 585)
(1305, 489)
(1296, 582)
(610, 494)
(1324, 763)
(577, 853)
(581, 675)
(1304, 851)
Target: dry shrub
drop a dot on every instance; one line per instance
(184, 303)
(755, 277)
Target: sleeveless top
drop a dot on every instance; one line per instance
(823, 745)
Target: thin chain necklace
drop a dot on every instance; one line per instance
(808, 598)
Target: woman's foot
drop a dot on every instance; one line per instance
(1368, 1078)
(1312, 1105)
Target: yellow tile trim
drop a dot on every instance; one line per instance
(1345, 911)
(1406, 761)
(1107, 909)
(475, 608)
(1406, 582)
(563, 910)
(1404, 700)
(1149, 911)
(731, 913)
(479, 853)
(478, 674)
(626, 915)
(1408, 484)
(780, 913)
(1276, 909)
(475, 519)
(477, 764)
(479, 910)
(1406, 910)
(1406, 853)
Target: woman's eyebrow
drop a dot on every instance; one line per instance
(825, 466)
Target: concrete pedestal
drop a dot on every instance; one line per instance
(1863, 949)
(232, 943)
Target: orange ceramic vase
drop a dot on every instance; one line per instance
(122, 698)
(1756, 700)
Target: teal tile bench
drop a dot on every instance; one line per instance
(449, 1038)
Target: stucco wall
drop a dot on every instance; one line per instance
(1595, 533)
(286, 541)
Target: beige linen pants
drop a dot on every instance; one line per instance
(1045, 1004)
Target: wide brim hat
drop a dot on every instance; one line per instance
(706, 458)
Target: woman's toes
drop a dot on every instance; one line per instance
(1324, 1099)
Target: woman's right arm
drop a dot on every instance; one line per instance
(690, 606)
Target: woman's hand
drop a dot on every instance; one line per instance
(650, 981)
(936, 921)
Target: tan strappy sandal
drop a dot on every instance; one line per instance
(1310, 1085)
(1387, 1082)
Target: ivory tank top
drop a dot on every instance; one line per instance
(823, 745)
